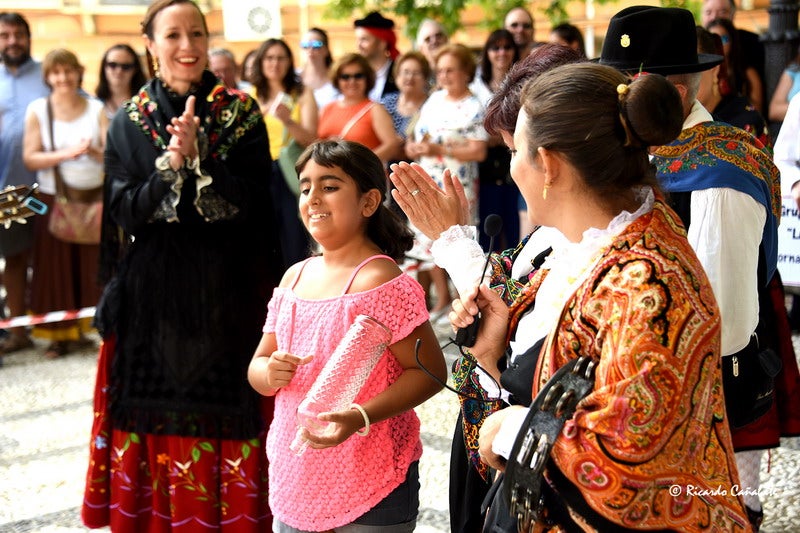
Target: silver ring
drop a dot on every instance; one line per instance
(415, 192)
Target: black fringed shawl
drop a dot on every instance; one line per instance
(192, 263)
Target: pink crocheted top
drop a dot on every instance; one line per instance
(323, 489)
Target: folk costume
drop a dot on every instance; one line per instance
(709, 155)
(721, 179)
(178, 439)
(638, 302)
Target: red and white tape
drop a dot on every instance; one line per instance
(46, 318)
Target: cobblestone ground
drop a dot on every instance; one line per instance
(46, 413)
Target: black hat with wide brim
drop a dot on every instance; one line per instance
(661, 40)
(374, 20)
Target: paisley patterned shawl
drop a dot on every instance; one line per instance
(655, 418)
(714, 154)
(225, 114)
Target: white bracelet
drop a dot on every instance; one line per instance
(365, 431)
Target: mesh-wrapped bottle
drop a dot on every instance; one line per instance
(342, 376)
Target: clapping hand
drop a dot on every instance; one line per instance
(430, 208)
(183, 143)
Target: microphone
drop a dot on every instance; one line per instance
(467, 336)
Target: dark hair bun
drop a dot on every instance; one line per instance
(653, 109)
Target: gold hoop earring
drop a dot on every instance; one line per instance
(156, 72)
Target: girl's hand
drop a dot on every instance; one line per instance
(281, 368)
(183, 143)
(345, 424)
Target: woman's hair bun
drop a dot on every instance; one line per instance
(653, 108)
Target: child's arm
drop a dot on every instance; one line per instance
(412, 388)
(270, 369)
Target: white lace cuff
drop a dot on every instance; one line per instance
(504, 440)
(458, 252)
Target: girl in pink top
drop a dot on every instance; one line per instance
(344, 481)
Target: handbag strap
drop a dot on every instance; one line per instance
(61, 188)
(352, 122)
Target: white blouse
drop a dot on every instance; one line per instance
(83, 172)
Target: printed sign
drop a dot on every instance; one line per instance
(789, 243)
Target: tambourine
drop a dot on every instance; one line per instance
(552, 407)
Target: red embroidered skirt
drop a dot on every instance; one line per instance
(159, 483)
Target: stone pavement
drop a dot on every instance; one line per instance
(46, 415)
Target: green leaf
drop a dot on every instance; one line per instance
(195, 454)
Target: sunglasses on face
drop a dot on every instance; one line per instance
(113, 65)
(356, 76)
(523, 25)
(305, 45)
(439, 36)
(498, 47)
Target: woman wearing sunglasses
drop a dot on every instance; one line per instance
(121, 75)
(354, 116)
(315, 72)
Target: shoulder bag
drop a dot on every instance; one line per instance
(76, 215)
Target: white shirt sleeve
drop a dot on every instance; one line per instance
(725, 232)
(504, 440)
(787, 147)
(458, 252)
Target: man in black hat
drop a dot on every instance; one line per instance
(721, 182)
(377, 42)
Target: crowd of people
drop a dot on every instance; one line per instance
(252, 214)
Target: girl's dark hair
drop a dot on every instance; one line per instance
(150, 15)
(353, 59)
(384, 227)
(103, 91)
(572, 35)
(601, 122)
(496, 38)
(734, 60)
(503, 108)
(323, 36)
(291, 81)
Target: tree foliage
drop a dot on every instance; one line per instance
(448, 12)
